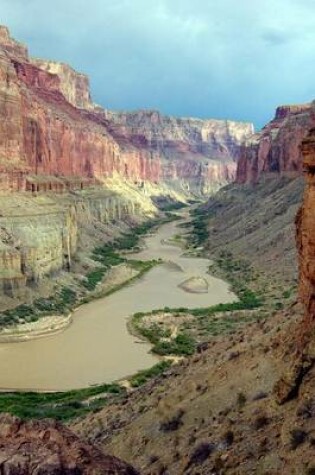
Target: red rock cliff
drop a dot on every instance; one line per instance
(199, 152)
(73, 85)
(276, 149)
(49, 126)
(302, 358)
(306, 248)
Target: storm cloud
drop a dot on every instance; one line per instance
(235, 59)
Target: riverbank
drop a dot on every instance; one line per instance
(97, 347)
(47, 326)
(112, 271)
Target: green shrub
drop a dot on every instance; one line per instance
(143, 376)
(94, 277)
(59, 405)
(182, 345)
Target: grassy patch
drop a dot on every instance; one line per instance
(108, 254)
(60, 405)
(59, 304)
(173, 206)
(142, 377)
(208, 321)
(67, 405)
(199, 224)
(182, 345)
(94, 277)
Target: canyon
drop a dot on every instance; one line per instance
(73, 176)
(205, 415)
(53, 128)
(68, 165)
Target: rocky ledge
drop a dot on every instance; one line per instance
(48, 448)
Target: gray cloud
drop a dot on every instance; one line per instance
(226, 59)
(276, 37)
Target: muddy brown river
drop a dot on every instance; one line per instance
(97, 347)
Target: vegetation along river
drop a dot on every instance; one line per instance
(97, 347)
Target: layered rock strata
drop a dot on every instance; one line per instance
(53, 128)
(196, 155)
(39, 235)
(277, 148)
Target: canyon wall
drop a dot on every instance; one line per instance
(197, 155)
(277, 148)
(306, 248)
(301, 342)
(53, 128)
(40, 235)
(73, 85)
(104, 166)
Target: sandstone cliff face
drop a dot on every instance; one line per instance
(194, 153)
(302, 358)
(306, 249)
(39, 235)
(53, 128)
(73, 85)
(276, 149)
(46, 447)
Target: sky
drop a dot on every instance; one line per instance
(224, 59)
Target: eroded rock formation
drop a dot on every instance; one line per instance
(53, 128)
(306, 248)
(47, 447)
(277, 148)
(303, 356)
(39, 235)
(200, 155)
(73, 85)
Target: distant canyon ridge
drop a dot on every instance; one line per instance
(51, 128)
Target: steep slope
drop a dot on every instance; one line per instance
(215, 413)
(256, 223)
(306, 248)
(276, 148)
(40, 235)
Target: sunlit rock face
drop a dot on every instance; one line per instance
(73, 85)
(303, 357)
(39, 235)
(277, 148)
